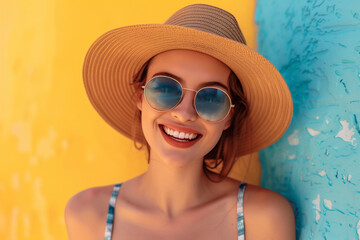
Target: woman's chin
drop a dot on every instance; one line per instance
(177, 159)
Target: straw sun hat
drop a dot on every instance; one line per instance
(115, 57)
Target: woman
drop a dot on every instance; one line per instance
(200, 98)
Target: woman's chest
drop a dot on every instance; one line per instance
(218, 221)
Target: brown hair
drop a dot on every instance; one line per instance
(224, 151)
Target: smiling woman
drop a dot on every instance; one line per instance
(199, 97)
(196, 71)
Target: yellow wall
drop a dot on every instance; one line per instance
(52, 142)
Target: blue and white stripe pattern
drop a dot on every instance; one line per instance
(240, 212)
(110, 215)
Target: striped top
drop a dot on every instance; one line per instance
(115, 192)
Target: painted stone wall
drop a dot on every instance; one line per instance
(316, 165)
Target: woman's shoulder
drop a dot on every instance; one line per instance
(86, 211)
(89, 199)
(264, 200)
(269, 211)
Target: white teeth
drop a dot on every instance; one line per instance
(176, 134)
(180, 135)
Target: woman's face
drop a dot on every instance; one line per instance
(194, 70)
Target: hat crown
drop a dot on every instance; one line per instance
(208, 19)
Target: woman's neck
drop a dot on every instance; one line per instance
(175, 189)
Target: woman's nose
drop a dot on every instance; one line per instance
(185, 110)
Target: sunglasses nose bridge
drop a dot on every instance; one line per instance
(192, 96)
(189, 89)
(185, 110)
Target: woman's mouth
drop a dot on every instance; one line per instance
(179, 138)
(179, 135)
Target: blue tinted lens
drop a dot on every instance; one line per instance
(212, 104)
(163, 93)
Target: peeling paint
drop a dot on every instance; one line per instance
(317, 217)
(22, 131)
(316, 202)
(313, 132)
(318, 55)
(344, 178)
(293, 139)
(292, 156)
(326, 152)
(346, 134)
(357, 127)
(328, 204)
(45, 147)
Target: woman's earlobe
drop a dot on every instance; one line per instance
(227, 124)
(228, 121)
(139, 103)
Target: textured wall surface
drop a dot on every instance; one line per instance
(316, 46)
(52, 142)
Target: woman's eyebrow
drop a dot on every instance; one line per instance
(168, 75)
(205, 84)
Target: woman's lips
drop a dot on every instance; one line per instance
(180, 128)
(179, 136)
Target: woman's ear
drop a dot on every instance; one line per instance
(227, 124)
(139, 101)
(229, 118)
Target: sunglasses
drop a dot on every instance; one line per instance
(164, 93)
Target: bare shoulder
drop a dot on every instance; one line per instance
(269, 211)
(85, 213)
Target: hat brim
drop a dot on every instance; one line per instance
(115, 57)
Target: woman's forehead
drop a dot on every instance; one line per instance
(190, 67)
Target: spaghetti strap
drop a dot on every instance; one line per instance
(240, 212)
(110, 214)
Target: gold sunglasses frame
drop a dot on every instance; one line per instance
(182, 96)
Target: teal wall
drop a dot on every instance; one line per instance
(316, 46)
